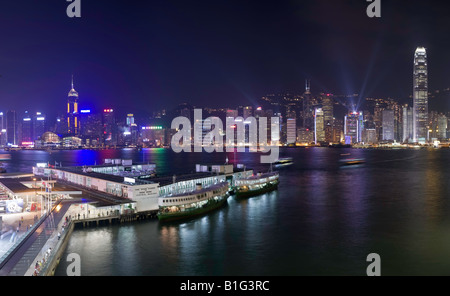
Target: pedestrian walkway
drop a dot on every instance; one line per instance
(51, 245)
(35, 248)
(15, 226)
(19, 261)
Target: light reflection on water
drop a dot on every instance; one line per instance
(323, 220)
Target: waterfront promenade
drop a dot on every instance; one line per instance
(20, 257)
(37, 251)
(29, 246)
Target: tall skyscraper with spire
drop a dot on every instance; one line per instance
(420, 95)
(73, 122)
(308, 121)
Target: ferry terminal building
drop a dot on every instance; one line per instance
(137, 185)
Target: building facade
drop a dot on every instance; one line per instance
(408, 124)
(12, 128)
(291, 135)
(72, 116)
(420, 95)
(388, 125)
(319, 126)
(352, 128)
(39, 126)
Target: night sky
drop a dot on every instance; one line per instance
(145, 55)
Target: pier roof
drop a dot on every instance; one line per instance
(102, 176)
(19, 186)
(162, 180)
(168, 179)
(98, 198)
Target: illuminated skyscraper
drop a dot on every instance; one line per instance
(91, 127)
(388, 125)
(73, 122)
(442, 127)
(130, 119)
(232, 113)
(360, 125)
(308, 120)
(27, 130)
(352, 128)
(408, 124)
(327, 103)
(109, 127)
(369, 136)
(130, 133)
(319, 126)
(305, 136)
(247, 111)
(39, 126)
(12, 132)
(259, 112)
(291, 137)
(2, 129)
(420, 95)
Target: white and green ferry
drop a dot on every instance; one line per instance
(257, 184)
(193, 203)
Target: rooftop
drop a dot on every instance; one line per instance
(17, 185)
(104, 176)
(166, 180)
(162, 180)
(107, 177)
(95, 197)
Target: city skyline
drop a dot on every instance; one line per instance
(328, 77)
(332, 43)
(354, 99)
(308, 118)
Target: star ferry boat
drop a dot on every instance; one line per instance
(194, 203)
(257, 184)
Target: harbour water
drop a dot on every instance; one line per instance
(324, 219)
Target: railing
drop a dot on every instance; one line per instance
(13, 249)
(98, 194)
(46, 265)
(92, 217)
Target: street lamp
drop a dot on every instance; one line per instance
(34, 179)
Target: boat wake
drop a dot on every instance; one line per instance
(397, 159)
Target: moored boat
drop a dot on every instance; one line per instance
(257, 184)
(193, 203)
